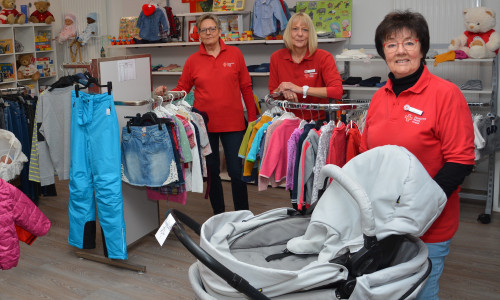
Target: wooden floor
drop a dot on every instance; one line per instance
(49, 269)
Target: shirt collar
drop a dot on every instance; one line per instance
(418, 87)
(221, 43)
(288, 56)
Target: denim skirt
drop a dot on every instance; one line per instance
(147, 156)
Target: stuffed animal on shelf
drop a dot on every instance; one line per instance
(41, 13)
(26, 68)
(480, 40)
(9, 14)
(69, 30)
(90, 30)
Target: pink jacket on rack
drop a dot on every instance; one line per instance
(17, 209)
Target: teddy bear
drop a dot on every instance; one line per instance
(9, 13)
(26, 68)
(41, 14)
(479, 40)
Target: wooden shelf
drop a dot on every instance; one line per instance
(183, 44)
(197, 14)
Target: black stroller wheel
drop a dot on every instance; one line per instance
(484, 218)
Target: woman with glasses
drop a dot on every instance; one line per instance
(220, 77)
(428, 116)
(301, 71)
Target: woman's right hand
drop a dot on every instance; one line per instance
(161, 90)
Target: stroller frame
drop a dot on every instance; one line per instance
(378, 246)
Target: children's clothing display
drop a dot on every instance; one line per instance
(281, 148)
(95, 175)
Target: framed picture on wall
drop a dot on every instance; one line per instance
(191, 25)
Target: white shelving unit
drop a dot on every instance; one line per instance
(480, 185)
(25, 34)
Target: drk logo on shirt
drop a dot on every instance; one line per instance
(414, 119)
(228, 64)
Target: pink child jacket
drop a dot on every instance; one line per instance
(17, 209)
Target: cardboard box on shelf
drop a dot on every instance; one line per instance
(7, 72)
(6, 46)
(42, 40)
(46, 67)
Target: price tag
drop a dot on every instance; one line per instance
(162, 233)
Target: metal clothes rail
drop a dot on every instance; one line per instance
(348, 104)
(173, 96)
(9, 91)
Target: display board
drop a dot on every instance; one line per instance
(332, 17)
(131, 76)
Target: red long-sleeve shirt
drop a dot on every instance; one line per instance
(317, 70)
(220, 82)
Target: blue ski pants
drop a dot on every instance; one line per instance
(95, 175)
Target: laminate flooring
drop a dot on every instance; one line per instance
(49, 269)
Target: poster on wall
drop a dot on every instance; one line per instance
(331, 18)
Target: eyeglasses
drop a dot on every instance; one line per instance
(208, 30)
(409, 45)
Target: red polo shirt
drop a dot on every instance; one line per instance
(317, 70)
(220, 82)
(442, 133)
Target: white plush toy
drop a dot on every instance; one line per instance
(479, 39)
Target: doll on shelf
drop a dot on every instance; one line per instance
(90, 30)
(69, 30)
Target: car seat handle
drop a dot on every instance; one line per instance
(357, 192)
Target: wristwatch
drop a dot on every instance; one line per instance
(304, 91)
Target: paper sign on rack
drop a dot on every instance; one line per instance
(126, 70)
(165, 228)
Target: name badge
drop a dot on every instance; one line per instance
(310, 71)
(413, 110)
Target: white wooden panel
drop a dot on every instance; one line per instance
(444, 17)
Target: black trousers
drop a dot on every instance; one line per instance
(231, 142)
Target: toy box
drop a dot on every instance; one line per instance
(7, 72)
(6, 46)
(128, 27)
(42, 40)
(228, 5)
(331, 18)
(46, 67)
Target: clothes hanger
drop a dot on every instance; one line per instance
(92, 80)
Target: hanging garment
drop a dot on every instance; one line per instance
(17, 209)
(55, 108)
(274, 163)
(147, 156)
(306, 166)
(96, 169)
(323, 147)
(12, 158)
(265, 15)
(17, 123)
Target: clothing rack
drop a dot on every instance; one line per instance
(10, 91)
(270, 99)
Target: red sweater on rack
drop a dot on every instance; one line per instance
(219, 84)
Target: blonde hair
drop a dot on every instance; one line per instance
(312, 43)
